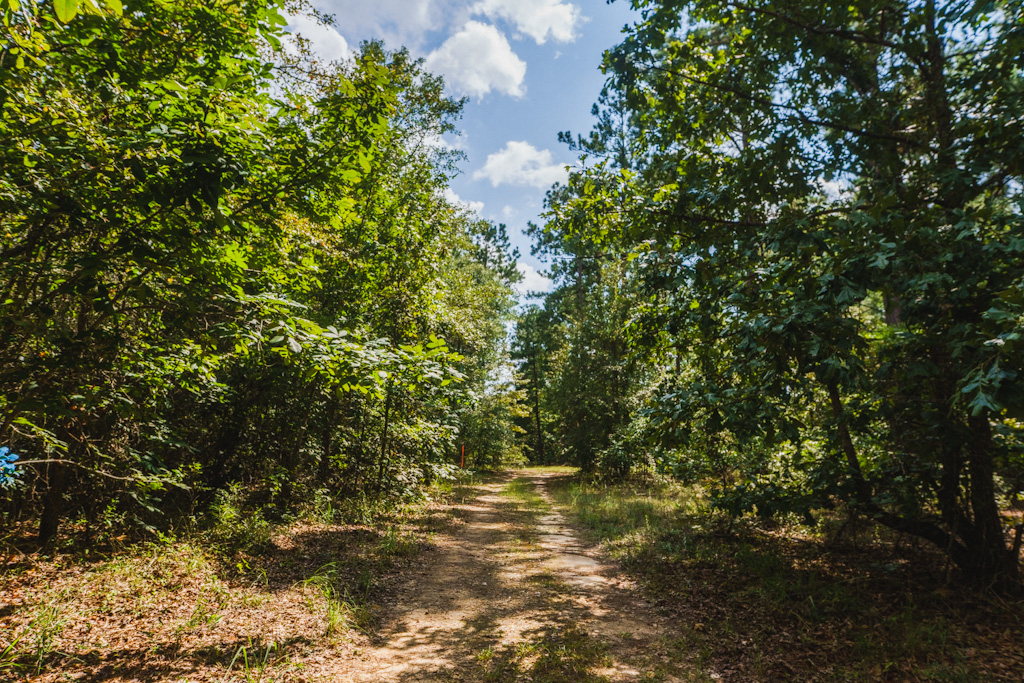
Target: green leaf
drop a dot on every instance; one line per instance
(66, 9)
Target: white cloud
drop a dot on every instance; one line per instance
(520, 163)
(532, 280)
(539, 19)
(325, 41)
(508, 213)
(396, 22)
(478, 59)
(475, 207)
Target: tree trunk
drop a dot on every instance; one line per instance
(536, 412)
(53, 502)
(579, 286)
(992, 561)
(327, 440)
(384, 441)
(222, 451)
(979, 549)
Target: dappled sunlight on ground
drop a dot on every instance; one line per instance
(496, 588)
(513, 593)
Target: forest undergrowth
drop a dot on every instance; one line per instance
(238, 601)
(779, 601)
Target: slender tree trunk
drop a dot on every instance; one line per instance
(579, 286)
(948, 492)
(53, 503)
(384, 440)
(846, 444)
(56, 485)
(536, 411)
(222, 451)
(327, 440)
(300, 435)
(994, 563)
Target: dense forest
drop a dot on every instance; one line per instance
(237, 294)
(228, 264)
(790, 268)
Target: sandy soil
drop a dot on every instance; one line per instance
(504, 585)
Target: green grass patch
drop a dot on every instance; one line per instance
(551, 469)
(330, 596)
(627, 514)
(523, 491)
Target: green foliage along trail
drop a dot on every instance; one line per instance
(227, 262)
(790, 268)
(789, 276)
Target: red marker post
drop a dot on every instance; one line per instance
(463, 463)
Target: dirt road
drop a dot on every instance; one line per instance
(511, 593)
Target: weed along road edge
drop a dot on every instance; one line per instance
(509, 592)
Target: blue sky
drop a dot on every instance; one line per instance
(529, 69)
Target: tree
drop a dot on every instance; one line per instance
(534, 341)
(827, 210)
(227, 262)
(574, 360)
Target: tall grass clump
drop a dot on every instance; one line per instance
(342, 613)
(616, 513)
(235, 526)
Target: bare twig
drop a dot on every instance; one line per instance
(75, 464)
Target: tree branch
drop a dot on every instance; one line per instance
(74, 464)
(800, 114)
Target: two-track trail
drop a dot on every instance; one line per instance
(510, 593)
